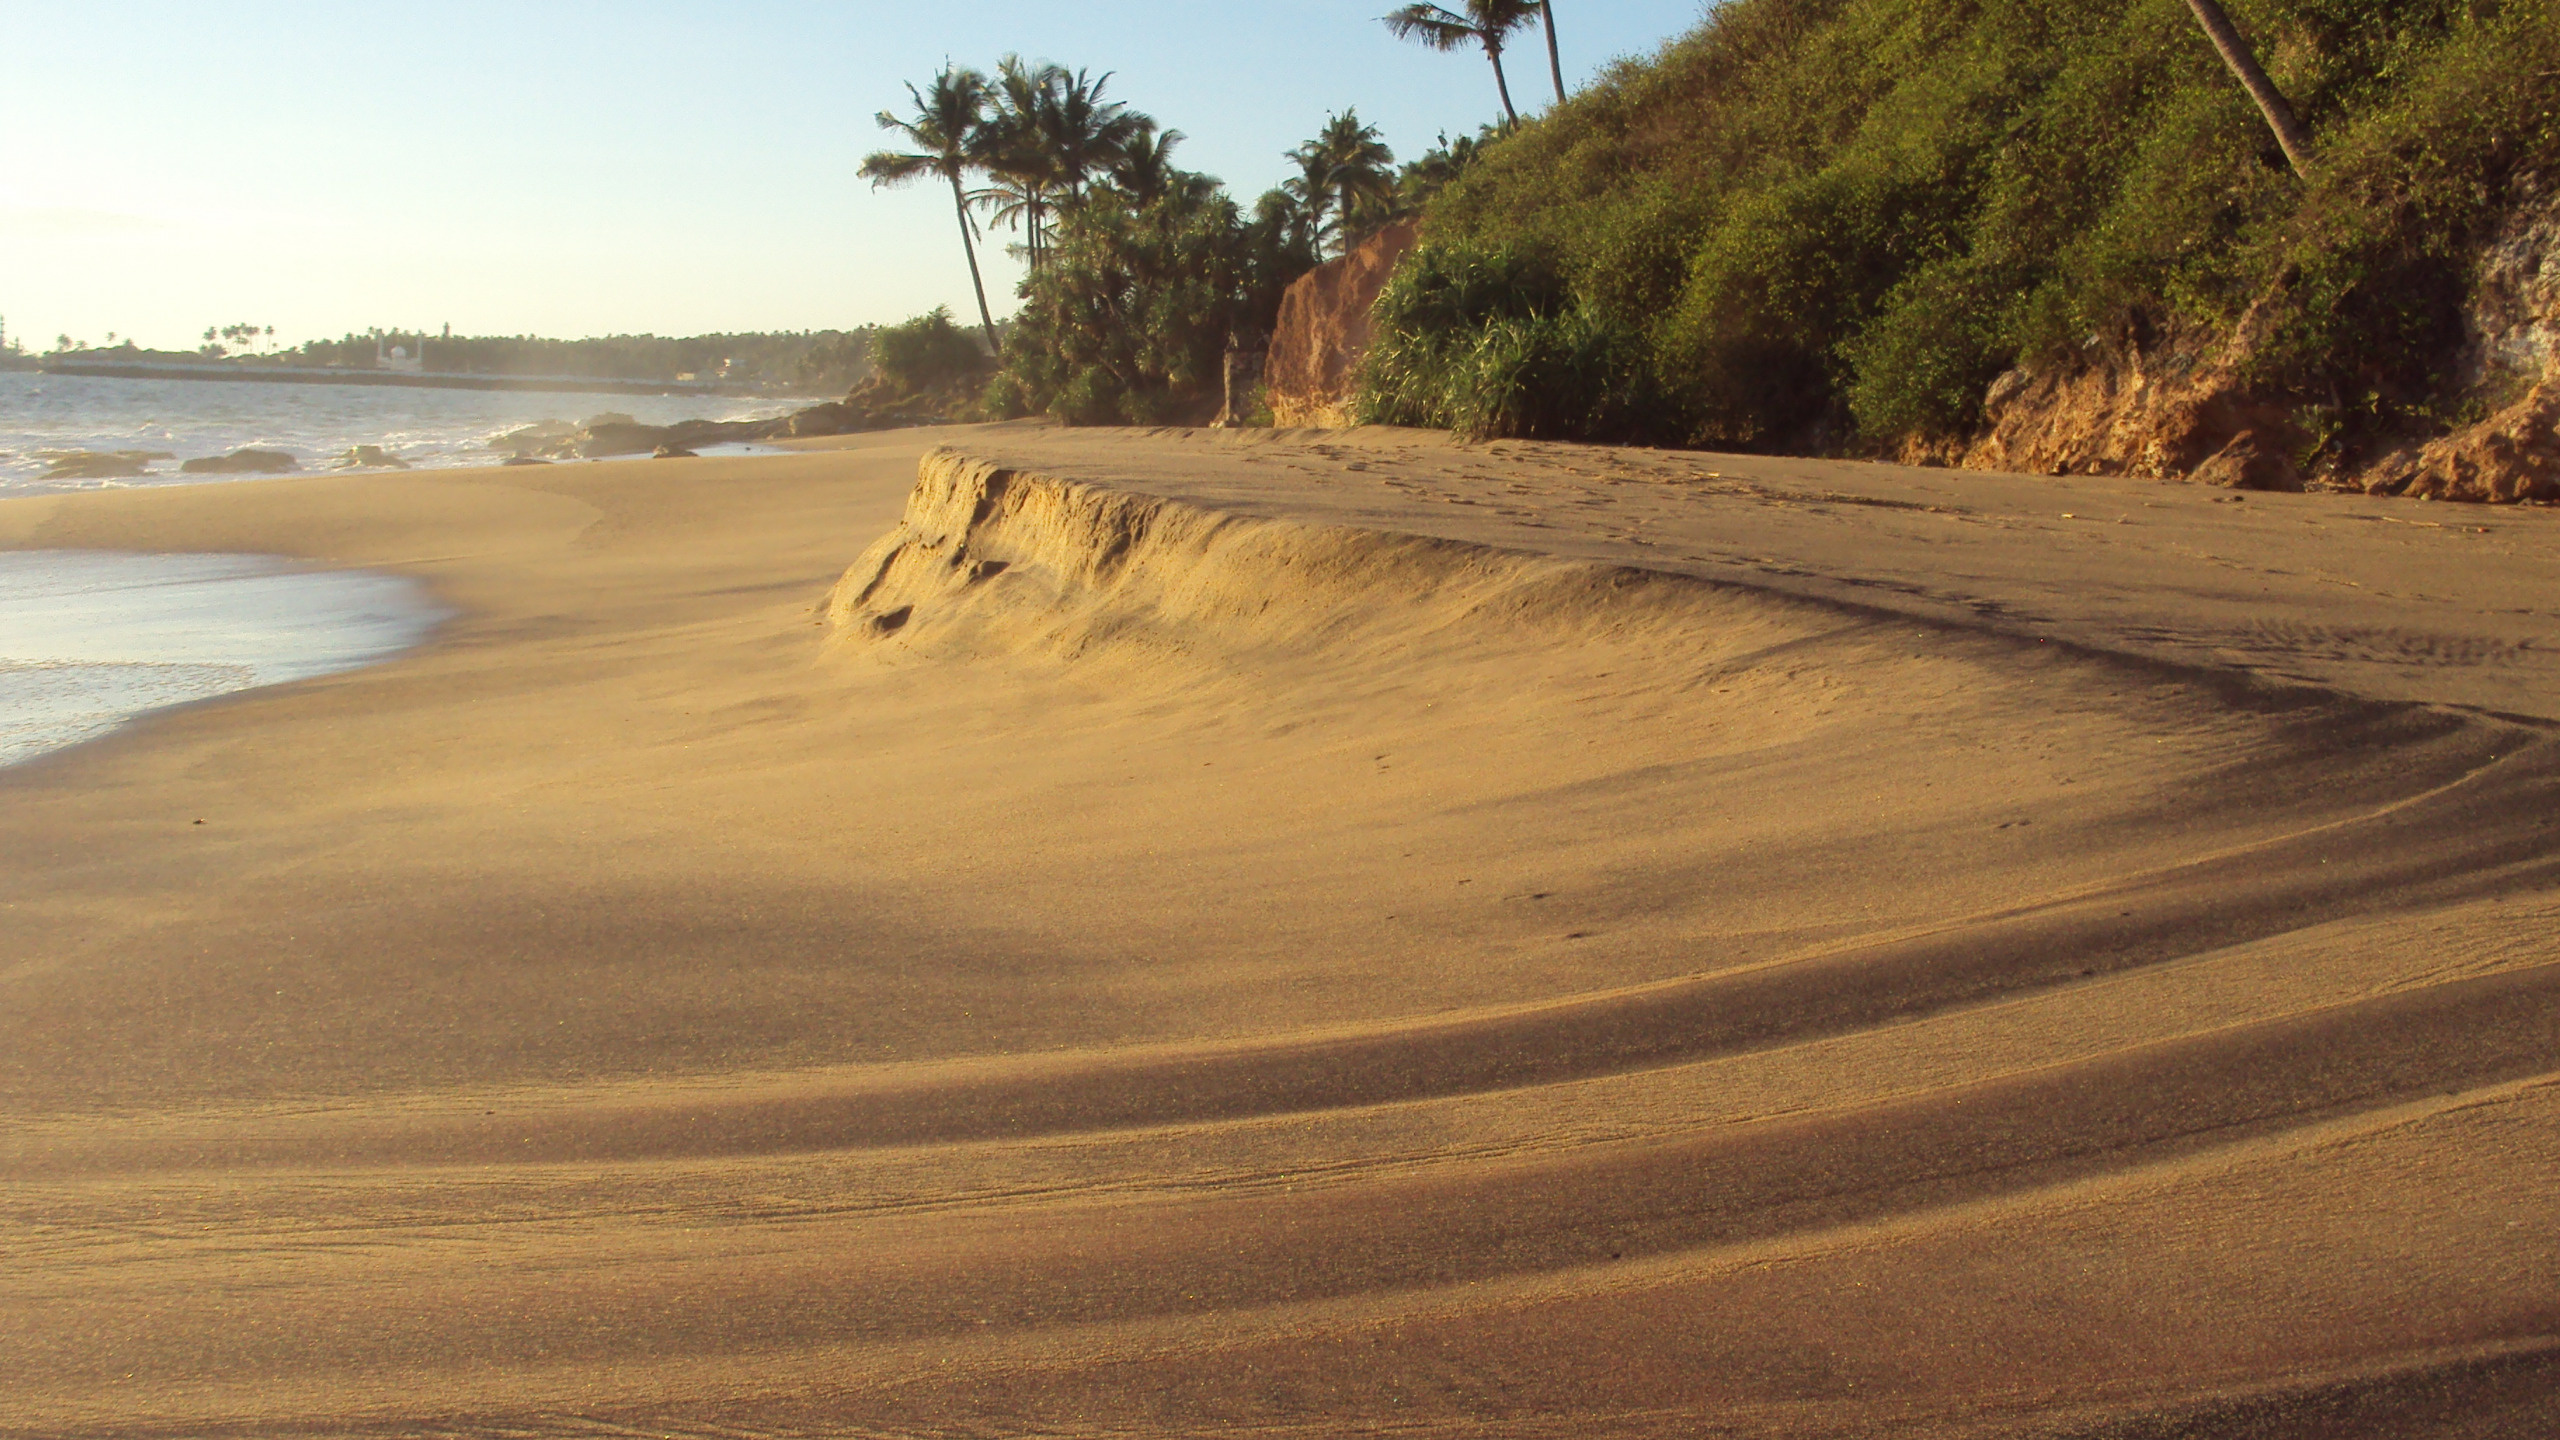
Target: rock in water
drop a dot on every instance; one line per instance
(95, 465)
(1324, 330)
(241, 462)
(540, 435)
(371, 457)
(620, 437)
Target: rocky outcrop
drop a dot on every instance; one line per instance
(99, 464)
(2513, 455)
(2180, 411)
(604, 437)
(2511, 343)
(370, 457)
(242, 462)
(2512, 325)
(1324, 330)
(871, 405)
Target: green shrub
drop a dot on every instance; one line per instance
(927, 353)
(1487, 341)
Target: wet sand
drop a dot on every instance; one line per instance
(1305, 935)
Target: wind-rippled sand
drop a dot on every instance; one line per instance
(1305, 935)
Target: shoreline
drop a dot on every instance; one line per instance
(1168, 931)
(53, 422)
(101, 639)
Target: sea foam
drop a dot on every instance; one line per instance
(91, 639)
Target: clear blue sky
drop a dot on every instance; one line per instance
(570, 169)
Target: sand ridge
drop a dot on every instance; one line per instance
(1188, 934)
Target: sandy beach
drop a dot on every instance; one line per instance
(1008, 930)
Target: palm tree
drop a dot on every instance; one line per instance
(1345, 166)
(943, 130)
(1085, 133)
(1144, 171)
(2252, 77)
(1555, 62)
(1009, 148)
(1052, 132)
(1488, 23)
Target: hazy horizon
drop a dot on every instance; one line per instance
(571, 171)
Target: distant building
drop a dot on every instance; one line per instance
(398, 359)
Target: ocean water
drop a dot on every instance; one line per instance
(90, 639)
(313, 423)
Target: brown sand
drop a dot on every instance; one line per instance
(1305, 935)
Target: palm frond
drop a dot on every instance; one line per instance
(1433, 26)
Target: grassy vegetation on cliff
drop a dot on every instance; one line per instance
(1832, 223)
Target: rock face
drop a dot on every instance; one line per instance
(242, 462)
(1324, 330)
(2513, 455)
(2179, 412)
(2512, 342)
(2512, 325)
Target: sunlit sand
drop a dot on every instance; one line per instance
(1118, 933)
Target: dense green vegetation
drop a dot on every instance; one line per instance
(1140, 272)
(1831, 224)
(930, 352)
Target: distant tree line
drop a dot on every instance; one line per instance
(821, 361)
(814, 362)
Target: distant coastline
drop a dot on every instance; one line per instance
(431, 380)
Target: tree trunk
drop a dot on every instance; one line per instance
(1494, 53)
(968, 247)
(2244, 65)
(1555, 63)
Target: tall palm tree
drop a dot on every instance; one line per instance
(1555, 61)
(943, 130)
(1084, 132)
(1008, 151)
(1487, 23)
(1345, 166)
(2243, 63)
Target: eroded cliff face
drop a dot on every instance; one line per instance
(1323, 331)
(2181, 411)
(2512, 346)
(2185, 409)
